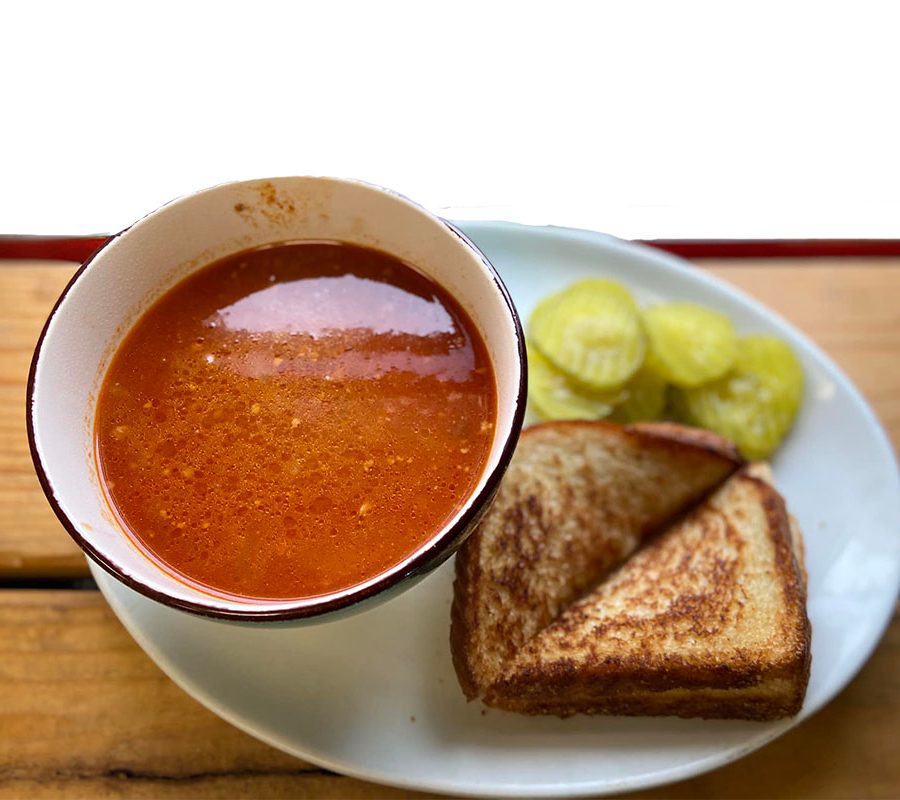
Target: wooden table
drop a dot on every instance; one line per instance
(84, 713)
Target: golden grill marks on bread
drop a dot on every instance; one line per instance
(708, 620)
(577, 500)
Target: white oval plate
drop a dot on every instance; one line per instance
(375, 695)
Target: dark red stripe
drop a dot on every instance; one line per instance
(52, 248)
(776, 248)
(78, 248)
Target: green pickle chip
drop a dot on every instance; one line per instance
(689, 344)
(644, 396)
(755, 404)
(592, 354)
(554, 396)
(592, 332)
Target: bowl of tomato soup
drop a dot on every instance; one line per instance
(277, 400)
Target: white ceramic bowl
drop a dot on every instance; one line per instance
(134, 268)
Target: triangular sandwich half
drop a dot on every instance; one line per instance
(576, 501)
(708, 620)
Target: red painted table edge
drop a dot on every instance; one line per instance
(79, 248)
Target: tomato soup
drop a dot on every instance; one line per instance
(294, 420)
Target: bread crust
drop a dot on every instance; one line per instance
(464, 617)
(762, 703)
(675, 436)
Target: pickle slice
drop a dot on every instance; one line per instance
(592, 332)
(689, 344)
(755, 404)
(644, 396)
(554, 396)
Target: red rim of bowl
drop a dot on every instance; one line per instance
(440, 549)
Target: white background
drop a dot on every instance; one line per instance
(640, 119)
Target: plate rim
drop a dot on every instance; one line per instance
(117, 601)
(108, 586)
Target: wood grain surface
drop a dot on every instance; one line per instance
(84, 713)
(32, 542)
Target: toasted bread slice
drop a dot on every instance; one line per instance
(708, 620)
(577, 499)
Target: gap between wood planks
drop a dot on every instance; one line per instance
(81, 584)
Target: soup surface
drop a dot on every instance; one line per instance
(293, 420)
